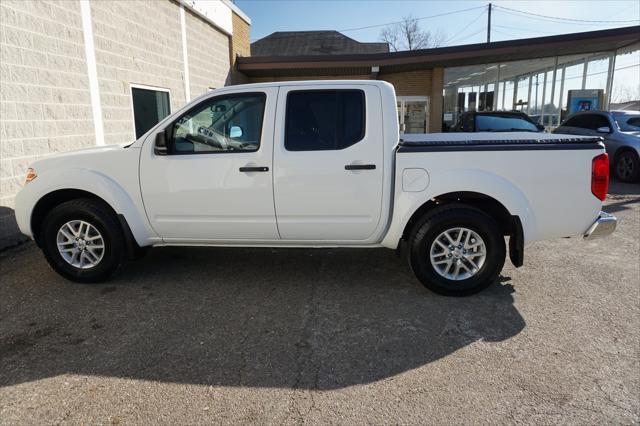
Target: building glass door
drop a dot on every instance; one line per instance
(413, 114)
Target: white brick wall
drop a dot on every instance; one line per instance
(44, 97)
(135, 42)
(207, 66)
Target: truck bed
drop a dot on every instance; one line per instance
(544, 179)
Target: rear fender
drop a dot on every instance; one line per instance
(466, 180)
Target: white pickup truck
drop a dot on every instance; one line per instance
(316, 164)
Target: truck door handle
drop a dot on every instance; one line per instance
(360, 167)
(254, 169)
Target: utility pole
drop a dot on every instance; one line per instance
(489, 25)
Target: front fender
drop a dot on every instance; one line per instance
(94, 182)
(460, 180)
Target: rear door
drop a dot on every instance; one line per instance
(328, 162)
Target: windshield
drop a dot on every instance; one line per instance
(628, 122)
(503, 123)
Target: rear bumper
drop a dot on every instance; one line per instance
(603, 226)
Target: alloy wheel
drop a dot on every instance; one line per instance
(80, 244)
(458, 253)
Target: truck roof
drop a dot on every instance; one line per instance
(312, 83)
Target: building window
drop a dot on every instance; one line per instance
(150, 106)
(321, 120)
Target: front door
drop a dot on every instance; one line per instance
(215, 183)
(413, 114)
(328, 163)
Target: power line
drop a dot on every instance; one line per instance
(559, 18)
(416, 19)
(505, 33)
(473, 21)
(524, 29)
(582, 24)
(469, 36)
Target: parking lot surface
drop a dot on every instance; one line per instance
(195, 335)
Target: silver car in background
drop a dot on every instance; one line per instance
(621, 133)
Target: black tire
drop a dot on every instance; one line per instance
(100, 216)
(626, 167)
(433, 224)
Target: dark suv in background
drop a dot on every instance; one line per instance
(621, 133)
(496, 121)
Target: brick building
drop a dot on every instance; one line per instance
(81, 73)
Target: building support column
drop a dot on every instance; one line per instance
(436, 100)
(544, 94)
(610, 72)
(553, 88)
(185, 55)
(529, 93)
(92, 71)
(496, 91)
(564, 69)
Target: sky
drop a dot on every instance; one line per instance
(468, 26)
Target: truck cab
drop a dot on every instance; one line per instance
(314, 157)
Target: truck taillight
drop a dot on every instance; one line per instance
(600, 176)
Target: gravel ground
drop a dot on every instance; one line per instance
(201, 335)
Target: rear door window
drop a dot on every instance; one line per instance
(320, 120)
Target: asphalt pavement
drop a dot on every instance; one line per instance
(212, 335)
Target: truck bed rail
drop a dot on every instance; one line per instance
(499, 144)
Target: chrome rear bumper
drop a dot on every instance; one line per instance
(603, 226)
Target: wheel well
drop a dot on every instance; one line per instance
(621, 150)
(509, 225)
(492, 207)
(55, 198)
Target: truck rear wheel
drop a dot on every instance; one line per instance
(82, 240)
(456, 250)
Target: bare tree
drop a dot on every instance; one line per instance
(625, 93)
(407, 35)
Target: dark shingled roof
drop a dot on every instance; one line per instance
(296, 43)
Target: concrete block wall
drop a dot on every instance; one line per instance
(45, 104)
(207, 67)
(135, 42)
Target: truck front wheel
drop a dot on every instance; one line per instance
(456, 250)
(82, 240)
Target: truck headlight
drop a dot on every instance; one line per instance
(31, 175)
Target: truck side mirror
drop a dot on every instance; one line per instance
(604, 129)
(235, 132)
(160, 146)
